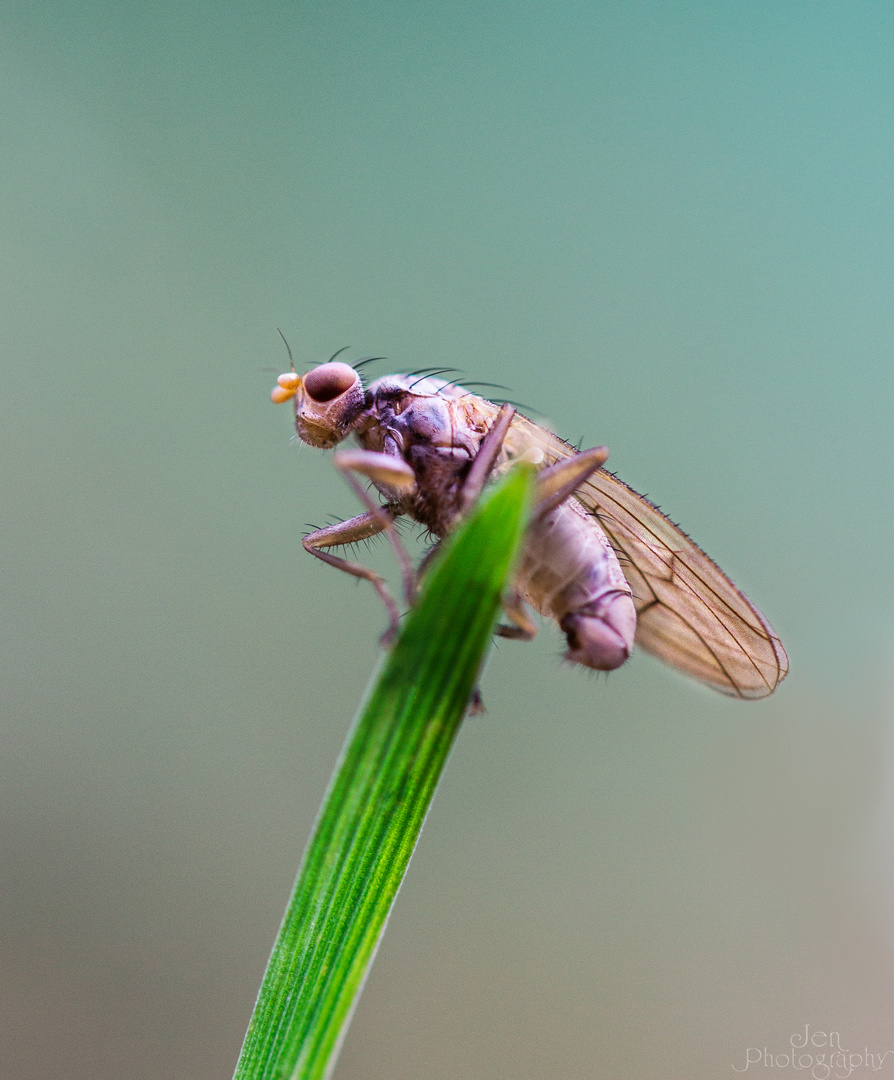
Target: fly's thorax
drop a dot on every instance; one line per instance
(414, 418)
(328, 402)
(429, 386)
(437, 434)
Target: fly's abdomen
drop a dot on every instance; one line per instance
(569, 572)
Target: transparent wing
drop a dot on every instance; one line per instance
(689, 612)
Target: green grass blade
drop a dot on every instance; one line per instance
(379, 796)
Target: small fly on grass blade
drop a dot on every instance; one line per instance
(598, 558)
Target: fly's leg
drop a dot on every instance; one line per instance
(427, 559)
(523, 627)
(486, 458)
(557, 482)
(351, 532)
(394, 473)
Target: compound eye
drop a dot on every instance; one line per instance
(329, 381)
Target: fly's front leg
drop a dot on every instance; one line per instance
(351, 532)
(393, 473)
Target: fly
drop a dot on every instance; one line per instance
(599, 559)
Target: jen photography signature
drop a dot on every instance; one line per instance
(817, 1054)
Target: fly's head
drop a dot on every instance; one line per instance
(328, 400)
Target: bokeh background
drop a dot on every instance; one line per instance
(668, 227)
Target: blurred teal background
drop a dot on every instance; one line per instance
(666, 226)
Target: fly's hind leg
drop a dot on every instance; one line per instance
(557, 482)
(352, 531)
(523, 627)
